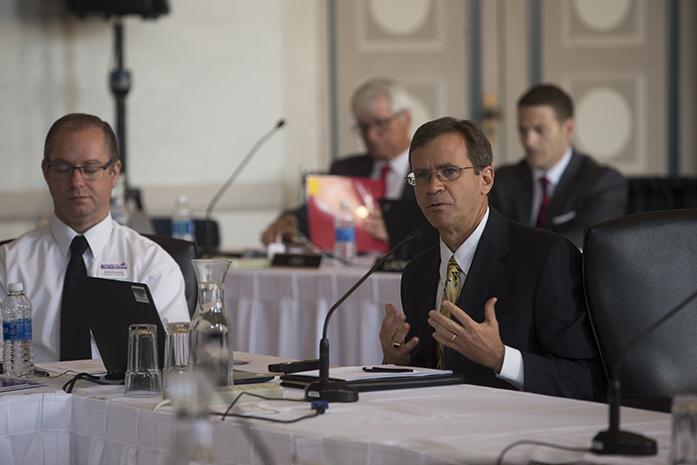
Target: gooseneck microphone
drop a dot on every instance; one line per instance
(614, 441)
(339, 391)
(279, 124)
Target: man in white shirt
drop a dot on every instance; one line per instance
(383, 120)
(555, 187)
(498, 302)
(81, 166)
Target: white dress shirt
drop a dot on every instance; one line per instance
(553, 176)
(39, 259)
(399, 168)
(512, 368)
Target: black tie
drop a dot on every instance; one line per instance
(75, 333)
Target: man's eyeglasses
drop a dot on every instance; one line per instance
(380, 124)
(444, 173)
(90, 171)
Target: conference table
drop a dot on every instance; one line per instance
(281, 311)
(461, 424)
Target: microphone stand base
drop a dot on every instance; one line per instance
(622, 443)
(331, 391)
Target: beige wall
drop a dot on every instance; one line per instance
(208, 80)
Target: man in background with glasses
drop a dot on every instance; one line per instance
(81, 166)
(382, 112)
(496, 301)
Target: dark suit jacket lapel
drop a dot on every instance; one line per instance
(487, 266)
(365, 169)
(427, 300)
(523, 193)
(486, 270)
(565, 189)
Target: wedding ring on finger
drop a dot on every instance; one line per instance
(396, 345)
(452, 339)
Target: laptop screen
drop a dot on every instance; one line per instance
(402, 216)
(329, 196)
(110, 307)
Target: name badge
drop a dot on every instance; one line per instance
(113, 270)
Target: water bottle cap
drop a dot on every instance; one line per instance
(16, 287)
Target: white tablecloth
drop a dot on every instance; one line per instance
(442, 425)
(281, 312)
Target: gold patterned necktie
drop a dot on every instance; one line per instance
(451, 293)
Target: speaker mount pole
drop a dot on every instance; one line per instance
(120, 82)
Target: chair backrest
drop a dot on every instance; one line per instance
(206, 232)
(653, 193)
(636, 269)
(182, 252)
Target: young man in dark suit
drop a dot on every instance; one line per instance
(383, 120)
(555, 187)
(499, 302)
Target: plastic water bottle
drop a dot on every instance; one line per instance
(119, 210)
(16, 332)
(344, 234)
(182, 224)
(119, 213)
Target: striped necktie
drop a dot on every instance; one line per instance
(384, 171)
(453, 286)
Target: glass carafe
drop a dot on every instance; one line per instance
(211, 338)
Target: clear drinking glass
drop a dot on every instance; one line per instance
(142, 372)
(684, 436)
(176, 353)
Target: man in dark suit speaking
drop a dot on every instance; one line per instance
(554, 186)
(497, 301)
(383, 120)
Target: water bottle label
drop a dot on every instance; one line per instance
(25, 326)
(183, 229)
(9, 330)
(19, 329)
(345, 234)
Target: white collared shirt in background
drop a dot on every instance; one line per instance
(553, 176)
(40, 257)
(512, 368)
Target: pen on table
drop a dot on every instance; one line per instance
(387, 370)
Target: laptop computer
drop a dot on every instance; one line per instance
(111, 306)
(401, 217)
(332, 196)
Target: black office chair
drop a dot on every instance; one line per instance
(654, 193)
(636, 269)
(182, 252)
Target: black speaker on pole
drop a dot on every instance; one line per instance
(120, 76)
(148, 9)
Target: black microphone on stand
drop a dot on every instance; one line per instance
(208, 247)
(339, 391)
(614, 441)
